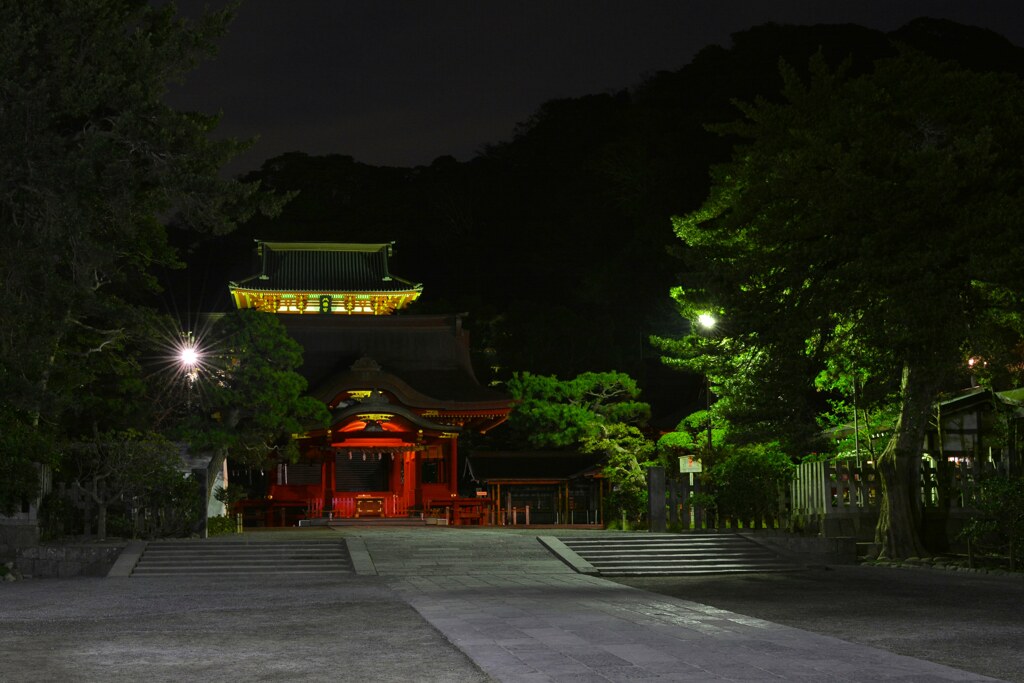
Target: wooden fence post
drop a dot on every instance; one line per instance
(673, 502)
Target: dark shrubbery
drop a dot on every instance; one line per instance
(748, 482)
(1000, 520)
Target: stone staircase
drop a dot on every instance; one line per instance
(369, 522)
(675, 554)
(243, 557)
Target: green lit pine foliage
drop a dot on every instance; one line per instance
(595, 412)
(556, 413)
(872, 223)
(749, 482)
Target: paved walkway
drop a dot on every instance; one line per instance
(524, 616)
(427, 604)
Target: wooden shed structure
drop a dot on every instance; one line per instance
(541, 487)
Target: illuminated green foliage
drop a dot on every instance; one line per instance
(554, 413)
(749, 482)
(596, 412)
(628, 455)
(869, 227)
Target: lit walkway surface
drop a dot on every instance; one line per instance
(523, 615)
(427, 605)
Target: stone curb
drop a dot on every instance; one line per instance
(127, 560)
(568, 555)
(362, 563)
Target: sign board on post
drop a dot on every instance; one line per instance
(689, 464)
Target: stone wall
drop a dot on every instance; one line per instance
(15, 536)
(63, 561)
(809, 549)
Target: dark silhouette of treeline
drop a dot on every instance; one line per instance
(558, 241)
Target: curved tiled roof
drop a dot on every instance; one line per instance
(429, 353)
(325, 267)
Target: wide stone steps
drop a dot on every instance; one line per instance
(676, 554)
(368, 522)
(230, 557)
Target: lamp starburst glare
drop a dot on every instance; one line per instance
(189, 355)
(706, 320)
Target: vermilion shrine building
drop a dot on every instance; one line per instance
(400, 388)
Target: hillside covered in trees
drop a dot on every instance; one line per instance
(558, 241)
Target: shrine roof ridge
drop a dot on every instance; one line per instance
(325, 268)
(369, 247)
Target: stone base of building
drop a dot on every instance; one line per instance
(64, 561)
(16, 535)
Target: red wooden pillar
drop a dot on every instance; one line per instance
(396, 465)
(328, 483)
(394, 473)
(453, 453)
(413, 497)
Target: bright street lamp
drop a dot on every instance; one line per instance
(189, 357)
(706, 320)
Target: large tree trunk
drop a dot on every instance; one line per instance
(215, 466)
(101, 521)
(898, 533)
(99, 496)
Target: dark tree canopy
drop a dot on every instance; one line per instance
(92, 162)
(557, 240)
(249, 398)
(872, 222)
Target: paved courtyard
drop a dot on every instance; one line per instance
(432, 604)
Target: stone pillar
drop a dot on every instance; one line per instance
(329, 479)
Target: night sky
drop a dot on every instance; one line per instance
(402, 82)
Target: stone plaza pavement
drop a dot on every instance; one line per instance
(425, 604)
(523, 615)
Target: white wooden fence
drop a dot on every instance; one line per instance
(843, 497)
(842, 486)
(822, 488)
